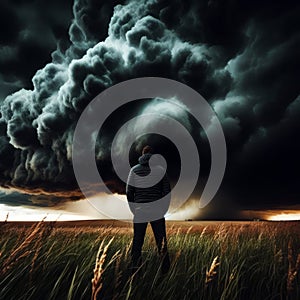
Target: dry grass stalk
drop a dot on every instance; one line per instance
(177, 255)
(203, 232)
(293, 268)
(224, 247)
(117, 277)
(298, 263)
(3, 223)
(232, 276)
(189, 230)
(178, 232)
(98, 270)
(6, 218)
(222, 233)
(212, 272)
(45, 232)
(278, 256)
(128, 248)
(170, 230)
(162, 247)
(21, 251)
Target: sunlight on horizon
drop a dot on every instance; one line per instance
(17, 213)
(96, 208)
(285, 217)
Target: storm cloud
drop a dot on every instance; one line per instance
(243, 59)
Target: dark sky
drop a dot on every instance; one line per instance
(242, 56)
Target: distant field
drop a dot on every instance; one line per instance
(182, 224)
(210, 260)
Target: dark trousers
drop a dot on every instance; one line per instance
(159, 230)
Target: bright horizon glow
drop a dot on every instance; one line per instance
(285, 217)
(122, 212)
(21, 213)
(85, 210)
(292, 213)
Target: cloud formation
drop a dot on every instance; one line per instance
(243, 60)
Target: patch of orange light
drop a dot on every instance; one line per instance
(285, 217)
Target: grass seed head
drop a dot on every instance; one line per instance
(212, 272)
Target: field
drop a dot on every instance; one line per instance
(209, 260)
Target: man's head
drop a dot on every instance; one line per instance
(147, 149)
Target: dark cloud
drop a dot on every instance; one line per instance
(17, 199)
(243, 58)
(263, 107)
(30, 33)
(14, 199)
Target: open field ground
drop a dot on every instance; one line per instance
(209, 260)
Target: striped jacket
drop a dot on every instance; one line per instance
(139, 188)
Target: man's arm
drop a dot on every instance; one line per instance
(130, 189)
(165, 186)
(165, 192)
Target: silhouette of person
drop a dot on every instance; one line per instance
(144, 204)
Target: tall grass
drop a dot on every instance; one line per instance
(245, 261)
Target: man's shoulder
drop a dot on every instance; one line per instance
(139, 166)
(135, 167)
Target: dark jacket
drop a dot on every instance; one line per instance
(147, 194)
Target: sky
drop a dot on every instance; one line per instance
(241, 56)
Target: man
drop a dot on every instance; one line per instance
(148, 202)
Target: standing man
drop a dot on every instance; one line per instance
(148, 203)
